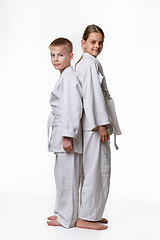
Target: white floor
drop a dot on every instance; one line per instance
(24, 217)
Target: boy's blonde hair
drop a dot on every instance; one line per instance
(62, 42)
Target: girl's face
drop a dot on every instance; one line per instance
(94, 44)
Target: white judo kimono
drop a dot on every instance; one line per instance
(98, 110)
(65, 120)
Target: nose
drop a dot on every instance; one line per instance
(97, 45)
(55, 58)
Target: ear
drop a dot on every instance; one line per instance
(71, 56)
(83, 42)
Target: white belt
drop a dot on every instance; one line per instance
(51, 120)
(114, 120)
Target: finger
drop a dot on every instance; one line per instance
(107, 137)
(103, 138)
(66, 149)
(70, 147)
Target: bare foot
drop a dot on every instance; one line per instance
(54, 223)
(52, 218)
(103, 220)
(90, 225)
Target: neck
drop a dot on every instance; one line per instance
(64, 68)
(91, 54)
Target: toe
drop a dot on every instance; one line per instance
(52, 218)
(103, 220)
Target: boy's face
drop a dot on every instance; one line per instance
(60, 57)
(94, 44)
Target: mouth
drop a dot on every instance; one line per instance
(56, 64)
(96, 50)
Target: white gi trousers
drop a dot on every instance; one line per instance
(96, 176)
(67, 179)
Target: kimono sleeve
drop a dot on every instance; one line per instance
(70, 106)
(93, 98)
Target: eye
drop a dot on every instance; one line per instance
(100, 43)
(93, 42)
(61, 55)
(52, 55)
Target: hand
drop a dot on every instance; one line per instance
(67, 144)
(104, 135)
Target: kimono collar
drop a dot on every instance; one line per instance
(87, 55)
(68, 69)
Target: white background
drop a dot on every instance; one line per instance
(130, 59)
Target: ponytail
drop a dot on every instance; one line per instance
(78, 62)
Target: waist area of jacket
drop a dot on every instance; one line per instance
(56, 140)
(86, 126)
(54, 119)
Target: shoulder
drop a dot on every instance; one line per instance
(87, 64)
(99, 66)
(88, 60)
(70, 77)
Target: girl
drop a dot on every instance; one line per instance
(99, 121)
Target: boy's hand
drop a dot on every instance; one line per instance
(67, 144)
(104, 135)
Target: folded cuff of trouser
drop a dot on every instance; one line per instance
(91, 216)
(63, 223)
(90, 219)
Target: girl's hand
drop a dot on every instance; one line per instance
(104, 135)
(67, 144)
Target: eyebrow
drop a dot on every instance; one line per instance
(58, 53)
(96, 40)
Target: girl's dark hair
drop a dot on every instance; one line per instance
(90, 29)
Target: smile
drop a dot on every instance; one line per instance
(96, 50)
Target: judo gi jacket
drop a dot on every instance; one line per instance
(65, 118)
(98, 105)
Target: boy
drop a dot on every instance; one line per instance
(65, 140)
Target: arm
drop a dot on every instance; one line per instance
(94, 102)
(71, 110)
